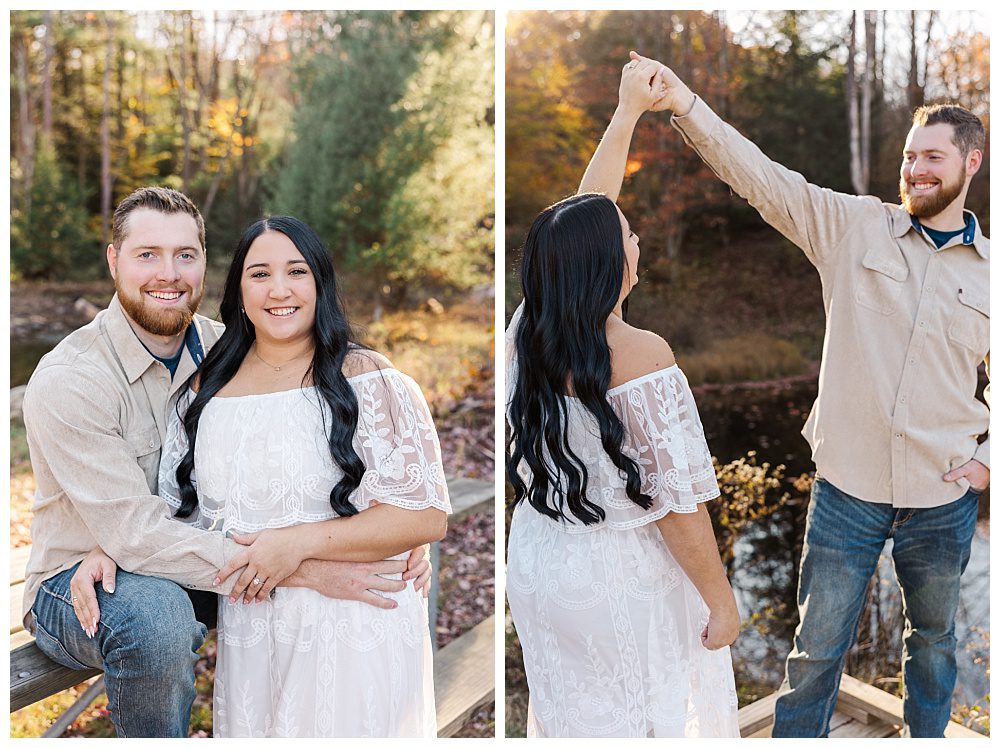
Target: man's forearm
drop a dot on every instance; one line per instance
(308, 574)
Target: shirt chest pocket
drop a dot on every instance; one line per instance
(881, 280)
(145, 444)
(970, 322)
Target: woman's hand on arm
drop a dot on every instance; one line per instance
(691, 541)
(636, 94)
(377, 533)
(96, 567)
(271, 557)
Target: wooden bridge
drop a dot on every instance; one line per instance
(863, 711)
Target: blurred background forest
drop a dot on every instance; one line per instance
(829, 94)
(781, 78)
(375, 127)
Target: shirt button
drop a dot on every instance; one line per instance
(899, 436)
(929, 289)
(913, 360)
(923, 324)
(902, 399)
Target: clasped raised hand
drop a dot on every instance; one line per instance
(669, 91)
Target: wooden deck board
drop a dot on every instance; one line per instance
(18, 561)
(852, 728)
(863, 711)
(464, 676)
(16, 598)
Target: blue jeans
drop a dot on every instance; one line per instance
(146, 643)
(844, 537)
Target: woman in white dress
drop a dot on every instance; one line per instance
(304, 445)
(616, 589)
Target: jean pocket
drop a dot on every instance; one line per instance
(54, 650)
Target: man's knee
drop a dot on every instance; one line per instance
(153, 621)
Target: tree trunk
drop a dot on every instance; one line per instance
(914, 95)
(853, 123)
(25, 125)
(931, 16)
(122, 112)
(185, 120)
(866, 101)
(723, 58)
(81, 144)
(109, 49)
(47, 78)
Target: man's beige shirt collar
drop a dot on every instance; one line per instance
(135, 357)
(903, 222)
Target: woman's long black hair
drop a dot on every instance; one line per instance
(571, 276)
(333, 339)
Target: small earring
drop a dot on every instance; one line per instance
(242, 310)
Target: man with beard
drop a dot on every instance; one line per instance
(895, 427)
(95, 411)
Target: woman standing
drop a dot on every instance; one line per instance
(615, 584)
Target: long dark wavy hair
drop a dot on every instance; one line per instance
(333, 339)
(571, 276)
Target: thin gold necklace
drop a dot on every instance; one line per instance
(268, 363)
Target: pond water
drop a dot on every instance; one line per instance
(764, 567)
(24, 356)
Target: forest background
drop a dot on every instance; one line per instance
(829, 94)
(786, 80)
(376, 128)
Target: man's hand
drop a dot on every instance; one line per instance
(670, 90)
(973, 471)
(346, 580)
(96, 567)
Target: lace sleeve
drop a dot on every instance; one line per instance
(397, 441)
(175, 446)
(665, 437)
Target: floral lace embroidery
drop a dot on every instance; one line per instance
(609, 624)
(305, 665)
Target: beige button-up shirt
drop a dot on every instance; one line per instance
(907, 326)
(95, 410)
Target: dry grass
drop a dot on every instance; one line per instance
(746, 358)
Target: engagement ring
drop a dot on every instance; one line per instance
(256, 581)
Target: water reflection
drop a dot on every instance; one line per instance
(765, 563)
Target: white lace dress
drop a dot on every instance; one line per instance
(609, 624)
(304, 665)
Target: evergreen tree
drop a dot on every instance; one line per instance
(50, 235)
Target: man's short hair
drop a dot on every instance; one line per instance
(968, 132)
(162, 199)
